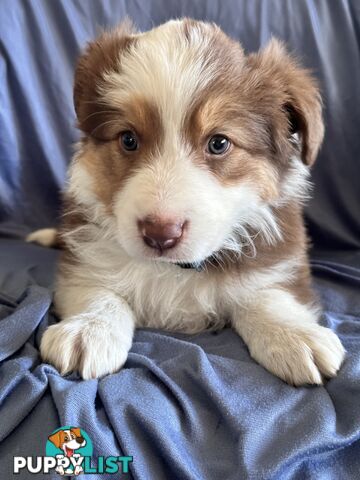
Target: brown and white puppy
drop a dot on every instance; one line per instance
(193, 155)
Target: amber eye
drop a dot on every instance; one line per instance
(218, 144)
(129, 141)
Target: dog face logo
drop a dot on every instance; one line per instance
(68, 440)
(69, 445)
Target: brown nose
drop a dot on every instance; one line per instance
(160, 234)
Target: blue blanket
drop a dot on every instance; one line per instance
(185, 407)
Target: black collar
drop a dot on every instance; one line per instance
(213, 260)
(198, 266)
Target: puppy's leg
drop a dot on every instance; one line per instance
(95, 334)
(284, 337)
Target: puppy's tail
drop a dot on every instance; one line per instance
(47, 237)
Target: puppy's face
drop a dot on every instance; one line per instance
(189, 143)
(68, 440)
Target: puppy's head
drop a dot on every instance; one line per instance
(68, 440)
(189, 144)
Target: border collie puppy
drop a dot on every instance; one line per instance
(183, 209)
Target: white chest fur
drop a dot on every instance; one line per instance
(165, 296)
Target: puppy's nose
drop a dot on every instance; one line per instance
(79, 439)
(160, 234)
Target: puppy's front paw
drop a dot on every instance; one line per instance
(300, 355)
(86, 343)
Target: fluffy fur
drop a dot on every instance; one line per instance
(175, 87)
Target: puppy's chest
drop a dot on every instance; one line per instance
(164, 295)
(174, 299)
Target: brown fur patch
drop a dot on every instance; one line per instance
(284, 89)
(100, 56)
(108, 164)
(248, 157)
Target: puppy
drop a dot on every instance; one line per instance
(183, 209)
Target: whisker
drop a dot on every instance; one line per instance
(96, 102)
(101, 125)
(100, 112)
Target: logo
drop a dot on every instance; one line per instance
(69, 452)
(69, 445)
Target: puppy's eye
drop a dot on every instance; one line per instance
(218, 144)
(66, 439)
(129, 141)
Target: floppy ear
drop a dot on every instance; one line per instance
(56, 438)
(296, 95)
(76, 432)
(102, 56)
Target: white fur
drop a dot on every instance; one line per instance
(165, 69)
(283, 336)
(296, 185)
(80, 184)
(161, 294)
(45, 237)
(95, 335)
(173, 187)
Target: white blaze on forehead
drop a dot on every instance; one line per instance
(167, 67)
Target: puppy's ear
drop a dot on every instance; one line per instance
(76, 432)
(57, 438)
(102, 56)
(295, 95)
